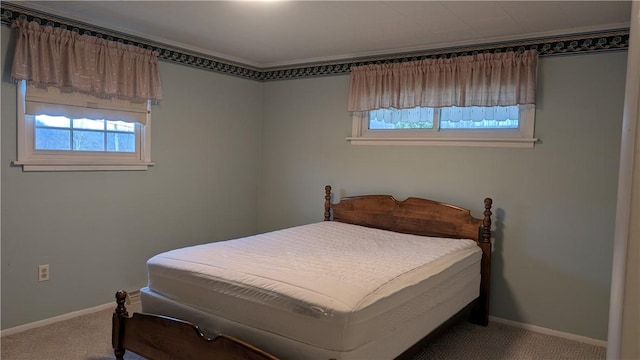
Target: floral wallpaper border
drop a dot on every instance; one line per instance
(611, 40)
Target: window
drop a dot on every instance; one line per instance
(482, 99)
(73, 132)
(60, 133)
(508, 126)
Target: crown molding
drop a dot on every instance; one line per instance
(557, 45)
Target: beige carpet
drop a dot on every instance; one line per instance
(89, 338)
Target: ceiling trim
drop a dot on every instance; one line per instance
(570, 44)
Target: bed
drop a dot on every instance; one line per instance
(375, 280)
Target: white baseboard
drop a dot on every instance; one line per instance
(546, 331)
(134, 297)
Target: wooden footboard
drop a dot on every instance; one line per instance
(163, 338)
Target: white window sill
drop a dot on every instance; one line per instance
(422, 141)
(36, 166)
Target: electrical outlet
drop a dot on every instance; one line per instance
(43, 272)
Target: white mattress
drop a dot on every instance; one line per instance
(329, 285)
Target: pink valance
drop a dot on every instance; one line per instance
(501, 79)
(48, 56)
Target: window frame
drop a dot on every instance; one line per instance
(521, 137)
(62, 160)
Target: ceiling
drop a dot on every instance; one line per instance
(267, 34)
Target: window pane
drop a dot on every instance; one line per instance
(416, 118)
(88, 141)
(478, 117)
(52, 139)
(121, 126)
(117, 142)
(52, 121)
(88, 124)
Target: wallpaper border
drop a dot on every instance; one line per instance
(571, 44)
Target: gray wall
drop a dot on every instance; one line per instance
(554, 204)
(97, 229)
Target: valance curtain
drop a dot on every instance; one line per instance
(501, 79)
(48, 56)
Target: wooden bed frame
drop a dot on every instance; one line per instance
(158, 337)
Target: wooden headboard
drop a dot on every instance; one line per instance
(421, 217)
(412, 216)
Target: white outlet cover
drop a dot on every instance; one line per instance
(43, 272)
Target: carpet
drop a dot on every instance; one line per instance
(88, 337)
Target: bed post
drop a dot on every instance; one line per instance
(327, 203)
(117, 330)
(480, 314)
